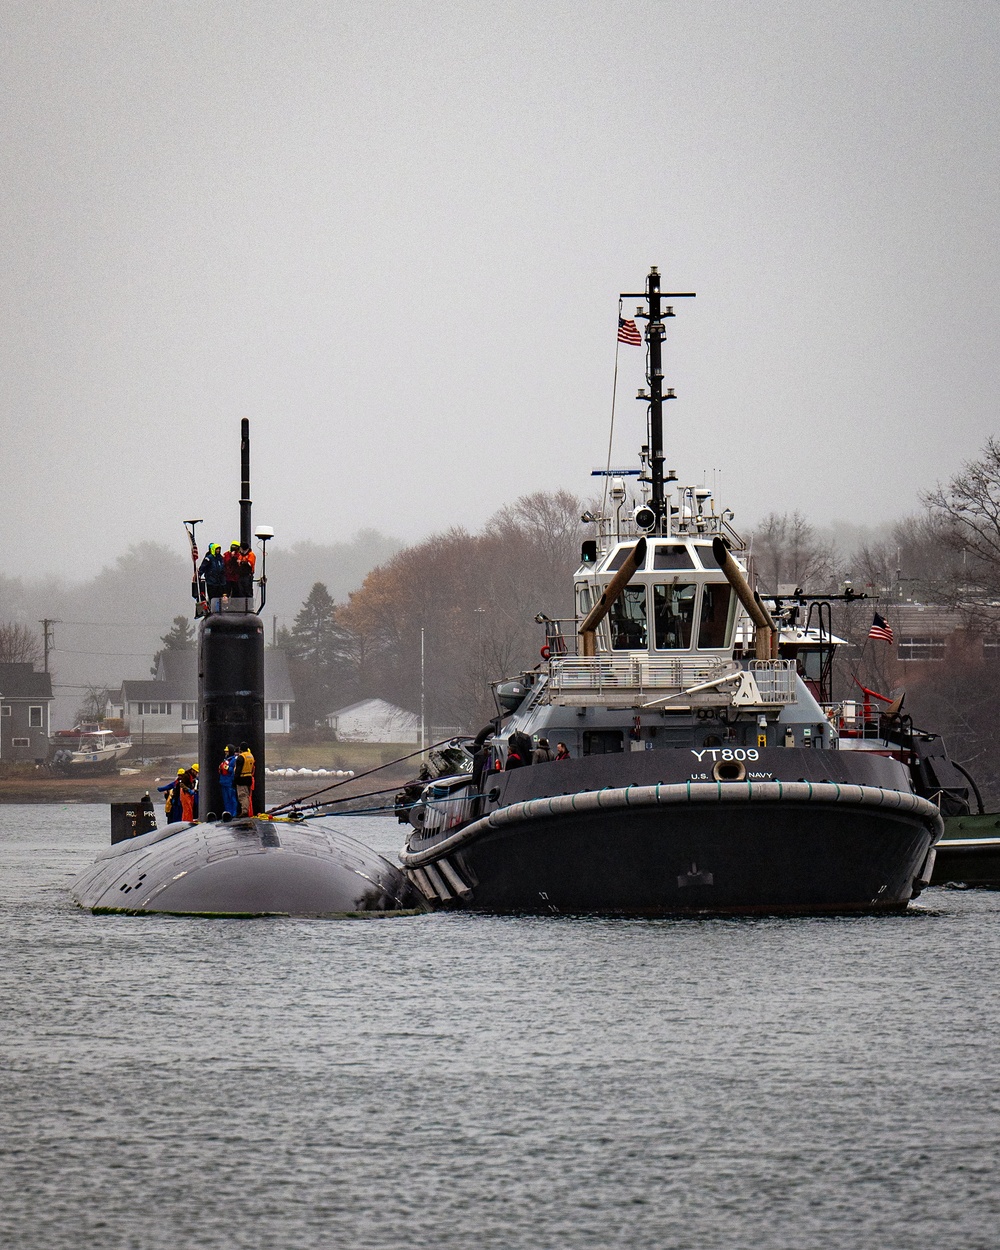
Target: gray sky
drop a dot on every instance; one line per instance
(393, 235)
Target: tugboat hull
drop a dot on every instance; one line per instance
(673, 850)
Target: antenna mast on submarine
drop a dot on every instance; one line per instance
(655, 334)
(231, 670)
(245, 502)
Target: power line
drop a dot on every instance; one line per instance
(111, 655)
(119, 624)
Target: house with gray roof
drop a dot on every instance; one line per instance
(25, 700)
(168, 703)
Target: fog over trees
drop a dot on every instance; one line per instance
(109, 627)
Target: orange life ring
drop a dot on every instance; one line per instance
(546, 652)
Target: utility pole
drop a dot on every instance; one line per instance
(48, 641)
(423, 716)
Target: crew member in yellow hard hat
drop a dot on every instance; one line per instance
(172, 807)
(188, 779)
(212, 572)
(243, 777)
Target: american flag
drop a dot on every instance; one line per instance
(880, 629)
(628, 332)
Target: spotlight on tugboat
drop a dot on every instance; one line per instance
(244, 864)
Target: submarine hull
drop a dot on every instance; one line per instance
(244, 868)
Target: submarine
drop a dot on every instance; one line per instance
(233, 866)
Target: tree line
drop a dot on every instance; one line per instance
(473, 598)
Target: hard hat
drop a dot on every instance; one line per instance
(194, 768)
(180, 772)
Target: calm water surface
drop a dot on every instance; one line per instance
(464, 1081)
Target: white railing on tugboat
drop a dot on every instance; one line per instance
(634, 672)
(641, 674)
(775, 680)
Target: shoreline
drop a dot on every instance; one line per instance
(30, 789)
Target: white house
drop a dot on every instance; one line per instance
(374, 720)
(169, 703)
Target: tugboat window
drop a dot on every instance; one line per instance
(706, 553)
(672, 557)
(718, 605)
(619, 558)
(673, 613)
(603, 742)
(628, 619)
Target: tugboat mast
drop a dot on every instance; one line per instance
(655, 334)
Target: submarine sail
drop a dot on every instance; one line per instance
(239, 864)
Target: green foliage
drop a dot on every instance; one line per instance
(319, 658)
(180, 637)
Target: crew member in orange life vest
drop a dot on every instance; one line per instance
(246, 561)
(243, 776)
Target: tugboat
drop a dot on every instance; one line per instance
(237, 865)
(699, 772)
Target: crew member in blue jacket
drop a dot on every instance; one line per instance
(227, 780)
(212, 571)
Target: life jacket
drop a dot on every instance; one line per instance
(246, 773)
(227, 766)
(172, 804)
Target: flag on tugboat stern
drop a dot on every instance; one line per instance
(880, 629)
(628, 332)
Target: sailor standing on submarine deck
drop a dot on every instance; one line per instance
(243, 776)
(227, 769)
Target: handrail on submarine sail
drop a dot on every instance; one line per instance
(612, 592)
(766, 632)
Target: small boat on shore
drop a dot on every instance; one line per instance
(698, 772)
(87, 750)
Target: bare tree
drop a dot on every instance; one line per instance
(916, 562)
(786, 551)
(551, 522)
(475, 596)
(19, 644)
(968, 513)
(94, 705)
